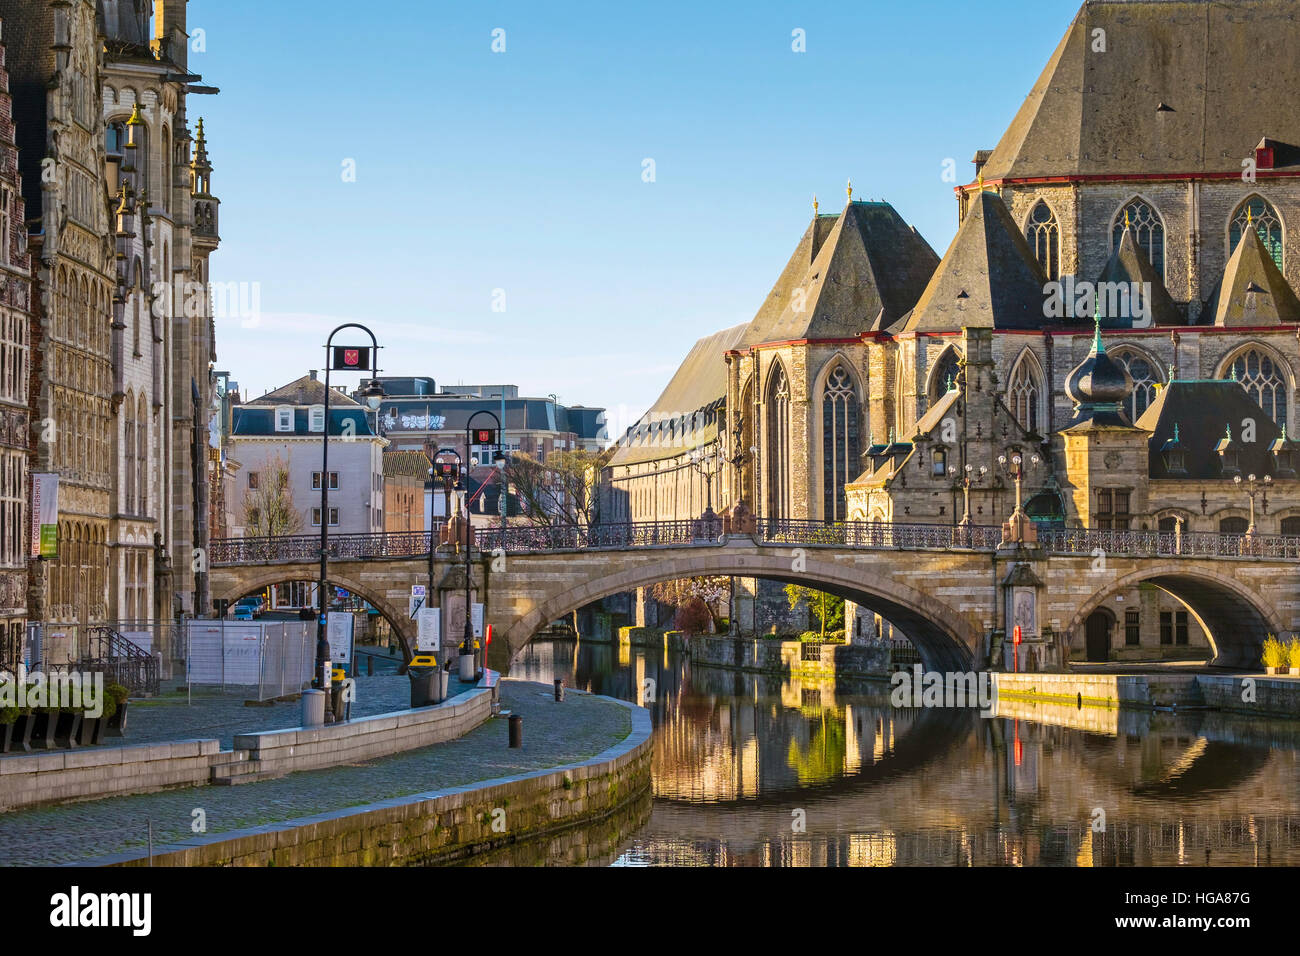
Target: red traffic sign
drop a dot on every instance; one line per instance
(485, 436)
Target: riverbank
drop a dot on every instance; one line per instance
(557, 737)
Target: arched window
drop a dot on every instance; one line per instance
(1025, 393)
(1044, 236)
(1259, 375)
(1290, 526)
(1233, 526)
(1148, 229)
(778, 445)
(1146, 376)
(1264, 218)
(128, 454)
(142, 456)
(840, 446)
(944, 378)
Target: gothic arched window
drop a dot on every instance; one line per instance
(1146, 376)
(1148, 229)
(1044, 236)
(1259, 375)
(142, 457)
(944, 378)
(1264, 218)
(1025, 393)
(128, 455)
(778, 445)
(840, 446)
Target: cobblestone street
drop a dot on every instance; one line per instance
(554, 734)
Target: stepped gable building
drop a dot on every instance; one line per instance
(1140, 207)
(120, 220)
(15, 305)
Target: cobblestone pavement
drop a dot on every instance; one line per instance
(171, 717)
(554, 734)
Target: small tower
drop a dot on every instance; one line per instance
(1106, 456)
(205, 204)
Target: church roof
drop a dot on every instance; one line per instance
(1184, 86)
(846, 272)
(1204, 412)
(1129, 264)
(988, 279)
(670, 426)
(307, 390)
(1252, 290)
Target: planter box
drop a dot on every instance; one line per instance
(117, 723)
(43, 727)
(1274, 670)
(1294, 671)
(6, 736)
(20, 740)
(65, 730)
(91, 732)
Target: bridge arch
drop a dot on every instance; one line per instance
(238, 586)
(1235, 619)
(944, 638)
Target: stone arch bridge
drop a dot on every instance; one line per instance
(948, 588)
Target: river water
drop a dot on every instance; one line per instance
(751, 770)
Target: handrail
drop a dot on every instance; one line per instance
(867, 535)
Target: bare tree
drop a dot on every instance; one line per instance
(562, 491)
(268, 510)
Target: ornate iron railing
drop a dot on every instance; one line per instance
(879, 536)
(120, 660)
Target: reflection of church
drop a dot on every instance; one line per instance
(876, 379)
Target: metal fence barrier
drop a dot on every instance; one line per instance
(259, 661)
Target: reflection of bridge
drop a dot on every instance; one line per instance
(944, 586)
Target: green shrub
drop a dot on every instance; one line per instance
(1275, 653)
(8, 715)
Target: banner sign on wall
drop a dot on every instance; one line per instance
(45, 516)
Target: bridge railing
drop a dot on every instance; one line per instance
(1157, 543)
(848, 534)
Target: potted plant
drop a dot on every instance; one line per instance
(1293, 656)
(1275, 655)
(115, 721)
(92, 728)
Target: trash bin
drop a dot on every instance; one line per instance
(423, 672)
(444, 682)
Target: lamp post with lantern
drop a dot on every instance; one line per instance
(343, 359)
(1019, 528)
(1253, 487)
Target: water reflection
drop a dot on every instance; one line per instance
(742, 760)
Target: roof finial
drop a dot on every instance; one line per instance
(1096, 330)
(1127, 222)
(814, 205)
(1229, 433)
(1250, 216)
(849, 189)
(1176, 433)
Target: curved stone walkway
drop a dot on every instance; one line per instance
(554, 734)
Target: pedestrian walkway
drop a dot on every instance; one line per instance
(554, 734)
(178, 717)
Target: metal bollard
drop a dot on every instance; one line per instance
(559, 688)
(370, 665)
(516, 730)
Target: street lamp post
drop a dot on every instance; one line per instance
(1017, 529)
(487, 437)
(446, 468)
(1252, 489)
(374, 396)
(705, 462)
(971, 477)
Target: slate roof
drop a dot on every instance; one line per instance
(700, 383)
(304, 391)
(1224, 74)
(988, 279)
(1203, 412)
(258, 421)
(1129, 264)
(847, 272)
(1252, 290)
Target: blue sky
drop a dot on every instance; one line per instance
(522, 171)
